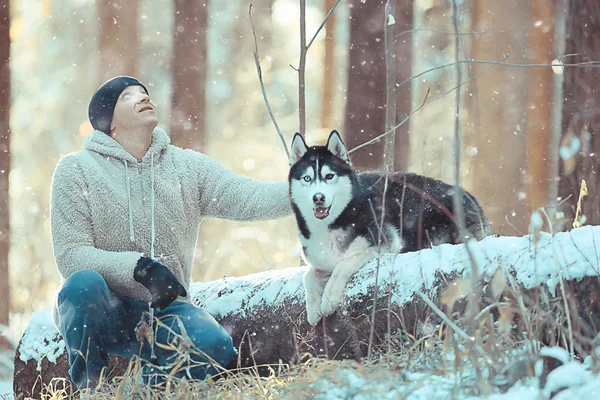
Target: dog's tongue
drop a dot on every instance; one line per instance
(321, 212)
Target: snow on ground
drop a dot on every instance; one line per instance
(572, 380)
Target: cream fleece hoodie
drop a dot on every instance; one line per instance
(107, 208)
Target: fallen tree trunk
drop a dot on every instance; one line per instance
(265, 313)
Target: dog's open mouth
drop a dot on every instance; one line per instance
(321, 212)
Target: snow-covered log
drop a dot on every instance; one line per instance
(265, 314)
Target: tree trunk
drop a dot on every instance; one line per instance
(580, 141)
(117, 37)
(189, 74)
(265, 312)
(4, 159)
(540, 85)
(328, 69)
(404, 22)
(366, 94)
(367, 85)
(497, 104)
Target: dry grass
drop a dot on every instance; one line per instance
(508, 331)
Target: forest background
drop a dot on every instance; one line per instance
(529, 106)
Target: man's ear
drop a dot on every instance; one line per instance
(336, 146)
(298, 149)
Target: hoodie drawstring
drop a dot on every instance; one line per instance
(153, 357)
(131, 230)
(132, 238)
(131, 234)
(152, 203)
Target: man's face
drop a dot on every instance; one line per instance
(134, 110)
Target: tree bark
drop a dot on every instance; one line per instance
(366, 94)
(391, 72)
(118, 38)
(265, 312)
(189, 74)
(580, 141)
(367, 84)
(328, 69)
(497, 105)
(540, 84)
(404, 22)
(4, 160)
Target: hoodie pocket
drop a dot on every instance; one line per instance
(172, 262)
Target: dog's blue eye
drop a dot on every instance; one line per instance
(329, 177)
(306, 178)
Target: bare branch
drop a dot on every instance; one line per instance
(322, 24)
(582, 64)
(561, 10)
(301, 70)
(452, 325)
(452, 33)
(389, 152)
(262, 85)
(459, 211)
(425, 102)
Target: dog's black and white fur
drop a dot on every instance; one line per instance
(338, 213)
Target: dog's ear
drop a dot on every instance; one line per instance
(336, 146)
(298, 149)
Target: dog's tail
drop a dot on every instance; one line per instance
(475, 219)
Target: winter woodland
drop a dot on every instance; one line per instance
(498, 96)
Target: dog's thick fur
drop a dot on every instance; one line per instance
(339, 213)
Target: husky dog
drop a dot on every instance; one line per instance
(346, 219)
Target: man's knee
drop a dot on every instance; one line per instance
(206, 334)
(83, 284)
(217, 344)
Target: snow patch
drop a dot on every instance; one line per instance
(572, 374)
(38, 340)
(248, 292)
(570, 255)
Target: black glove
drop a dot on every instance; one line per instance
(161, 282)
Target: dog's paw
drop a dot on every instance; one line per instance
(312, 315)
(330, 302)
(327, 307)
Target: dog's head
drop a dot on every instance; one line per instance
(321, 178)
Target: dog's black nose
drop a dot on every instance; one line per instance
(319, 198)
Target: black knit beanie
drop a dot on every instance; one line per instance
(102, 105)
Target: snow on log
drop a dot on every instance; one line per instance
(265, 313)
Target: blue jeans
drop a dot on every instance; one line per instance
(95, 322)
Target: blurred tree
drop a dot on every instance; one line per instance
(539, 107)
(328, 69)
(431, 129)
(189, 74)
(403, 47)
(496, 113)
(4, 157)
(118, 37)
(366, 94)
(580, 142)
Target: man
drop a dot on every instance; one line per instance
(125, 213)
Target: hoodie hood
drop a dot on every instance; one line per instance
(101, 143)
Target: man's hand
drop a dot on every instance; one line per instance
(161, 282)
